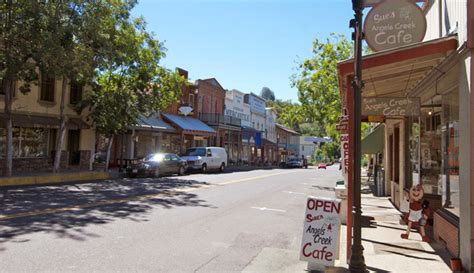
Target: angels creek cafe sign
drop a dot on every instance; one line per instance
(320, 244)
(385, 106)
(394, 23)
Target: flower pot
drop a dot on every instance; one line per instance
(456, 264)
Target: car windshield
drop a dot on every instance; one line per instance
(153, 157)
(195, 152)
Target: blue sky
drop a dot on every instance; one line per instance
(244, 44)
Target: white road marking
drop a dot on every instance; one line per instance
(264, 208)
(292, 192)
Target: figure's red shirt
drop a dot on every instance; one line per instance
(415, 206)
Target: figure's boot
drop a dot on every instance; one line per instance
(404, 236)
(425, 239)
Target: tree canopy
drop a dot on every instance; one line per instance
(317, 84)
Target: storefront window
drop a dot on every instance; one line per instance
(27, 142)
(430, 149)
(414, 151)
(145, 145)
(450, 148)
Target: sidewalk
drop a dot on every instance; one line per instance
(384, 249)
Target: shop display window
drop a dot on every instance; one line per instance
(27, 142)
(430, 150)
(414, 151)
(450, 147)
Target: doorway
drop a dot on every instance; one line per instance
(73, 147)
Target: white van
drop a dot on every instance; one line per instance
(206, 158)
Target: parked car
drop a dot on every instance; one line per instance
(206, 158)
(158, 164)
(295, 163)
(322, 166)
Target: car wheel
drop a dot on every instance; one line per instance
(181, 170)
(222, 168)
(204, 168)
(156, 173)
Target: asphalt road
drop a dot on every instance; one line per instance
(232, 222)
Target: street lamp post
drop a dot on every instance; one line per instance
(357, 261)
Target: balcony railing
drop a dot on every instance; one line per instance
(218, 119)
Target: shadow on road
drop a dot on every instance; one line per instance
(65, 210)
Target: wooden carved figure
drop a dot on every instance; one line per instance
(416, 214)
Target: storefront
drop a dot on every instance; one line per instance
(34, 140)
(415, 91)
(193, 132)
(250, 147)
(270, 151)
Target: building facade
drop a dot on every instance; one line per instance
(270, 148)
(257, 120)
(35, 117)
(422, 144)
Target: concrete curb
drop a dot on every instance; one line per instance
(52, 178)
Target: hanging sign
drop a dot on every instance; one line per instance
(343, 124)
(185, 110)
(394, 23)
(320, 243)
(386, 106)
(344, 139)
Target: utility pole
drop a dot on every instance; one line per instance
(357, 261)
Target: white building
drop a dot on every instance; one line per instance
(307, 146)
(235, 106)
(270, 123)
(257, 111)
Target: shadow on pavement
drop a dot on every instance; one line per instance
(66, 209)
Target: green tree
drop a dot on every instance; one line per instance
(66, 47)
(288, 113)
(318, 89)
(130, 81)
(18, 44)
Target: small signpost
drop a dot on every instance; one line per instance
(320, 244)
(345, 157)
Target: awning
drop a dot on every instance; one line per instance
(288, 130)
(268, 142)
(189, 125)
(396, 72)
(33, 121)
(374, 142)
(153, 123)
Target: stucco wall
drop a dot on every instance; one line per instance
(30, 103)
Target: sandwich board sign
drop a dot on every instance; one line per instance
(320, 244)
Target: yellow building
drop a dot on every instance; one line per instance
(35, 118)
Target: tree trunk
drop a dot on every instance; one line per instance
(9, 128)
(62, 127)
(109, 148)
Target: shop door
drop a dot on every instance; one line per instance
(73, 146)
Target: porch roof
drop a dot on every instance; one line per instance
(396, 72)
(190, 125)
(154, 123)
